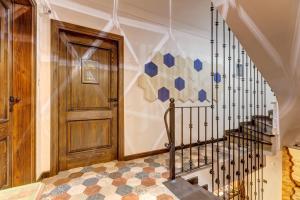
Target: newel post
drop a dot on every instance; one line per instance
(172, 138)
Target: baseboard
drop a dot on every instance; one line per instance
(145, 154)
(161, 151)
(43, 176)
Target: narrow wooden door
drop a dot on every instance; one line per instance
(88, 99)
(17, 94)
(5, 93)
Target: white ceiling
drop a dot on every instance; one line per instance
(188, 15)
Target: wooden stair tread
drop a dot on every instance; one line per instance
(258, 129)
(239, 135)
(263, 119)
(250, 135)
(186, 191)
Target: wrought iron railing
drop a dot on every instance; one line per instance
(191, 152)
(234, 131)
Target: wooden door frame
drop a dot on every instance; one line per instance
(56, 27)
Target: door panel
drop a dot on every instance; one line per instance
(87, 85)
(98, 135)
(5, 157)
(89, 77)
(5, 91)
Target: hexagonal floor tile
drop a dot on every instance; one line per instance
(92, 190)
(148, 182)
(119, 181)
(124, 190)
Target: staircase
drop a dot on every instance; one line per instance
(225, 143)
(249, 144)
(258, 130)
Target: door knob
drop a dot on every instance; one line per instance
(12, 101)
(113, 100)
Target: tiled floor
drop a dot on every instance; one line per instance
(139, 179)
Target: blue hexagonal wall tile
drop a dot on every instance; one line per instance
(179, 83)
(151, 69)
(169, 60)
(202, 96)
(163, 94)
(217, 77)
(198, 65)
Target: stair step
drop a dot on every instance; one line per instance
(257, 127)
(254, 131)
(263, 120)
(239, 135)
(250, 135)
(186, 191)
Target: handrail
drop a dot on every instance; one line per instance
(167, 145)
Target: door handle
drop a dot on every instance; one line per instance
(13, 101)
(113, 100)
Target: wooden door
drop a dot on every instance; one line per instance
(17, 94)
(88, 99)
(5, 93)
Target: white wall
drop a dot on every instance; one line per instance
(141, 40)
(143, 120)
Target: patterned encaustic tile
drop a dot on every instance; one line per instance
(140, 179)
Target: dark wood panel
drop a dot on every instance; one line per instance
(4, 162)
(87, 135)
(89, 77)
(5, 92)
(106, 51)
(88, 115)
(44, 175)
(4, 62)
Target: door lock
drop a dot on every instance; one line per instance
(114, 101)
(12, 101)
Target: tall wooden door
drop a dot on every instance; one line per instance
(5, 93)
(88, 99)
(17, 94)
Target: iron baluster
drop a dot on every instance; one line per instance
(212, 94)
(216, 77)
(191, 131)
(239, 117)
(257, 132)
(229, 109)
(224, 108)
(247, 133)
(182, 144)
(234, 111)
(205, 136)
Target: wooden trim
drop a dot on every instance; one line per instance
(145, 154)
(56, 27)
(43, 176)
(32, 4)
(161, 151)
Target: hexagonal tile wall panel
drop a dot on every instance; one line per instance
(151, 69)
(163, 94)
(173, 76)
(179, 83)
(169, 60)
(198, 65)
(202, 96)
